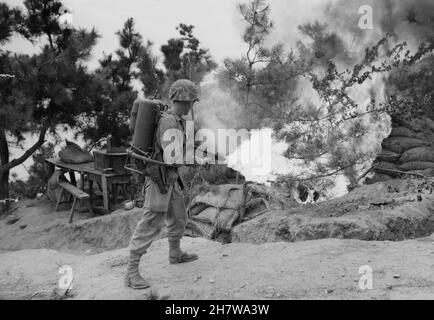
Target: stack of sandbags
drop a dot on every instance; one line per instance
(217, 209)
(408, 148)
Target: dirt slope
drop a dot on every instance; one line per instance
(392, 210)
(325, 268)
(36, 225)
(383, 211)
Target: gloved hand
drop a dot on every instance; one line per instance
(202, 161)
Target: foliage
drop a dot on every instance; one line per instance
(45, 89)
(36, 183)
(114, 93)
(326, 127)
(184, 58)
(241, 76)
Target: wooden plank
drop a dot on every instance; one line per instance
(104, 180)
(77, 193)
(59, 199)
(87, 167)
(81, 167)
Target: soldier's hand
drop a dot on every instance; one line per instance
(202, 161)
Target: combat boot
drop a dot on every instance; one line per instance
(133, 278)
(177, 256)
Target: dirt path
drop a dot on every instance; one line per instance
(326, 269)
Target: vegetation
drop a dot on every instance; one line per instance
(42, 93)
(325, 132)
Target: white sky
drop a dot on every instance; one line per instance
(218, 25)
(217, 22)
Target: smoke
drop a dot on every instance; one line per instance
(216, 108)
(408, 20)
(344, 42)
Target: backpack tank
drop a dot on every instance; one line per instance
(144, 118)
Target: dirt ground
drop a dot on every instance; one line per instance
(36, 225)
(286, 254)
(317, 269)
(393, 210)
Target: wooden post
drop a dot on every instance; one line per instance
(71, 216)
(90, 192)
(59, 199)
(72, 177)
(105, 193)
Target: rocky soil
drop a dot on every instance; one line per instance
(319, 269)
(290, 253)
(391, 210)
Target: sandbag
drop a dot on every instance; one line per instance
(224, 196)
(386, 165)
(402, 144)
(428, 172)
(402, 132)
(386, 168)
(429, 123)
(418, 154)
(235, 199)
(378, 177)
(72, 153)
(223, 219)
(388, 156)
(217, 208)
(416, 165)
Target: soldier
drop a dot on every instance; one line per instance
(166, 204)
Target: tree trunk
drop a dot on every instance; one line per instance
(6, 165)
(4, 174)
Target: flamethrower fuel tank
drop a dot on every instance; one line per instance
(143, 121)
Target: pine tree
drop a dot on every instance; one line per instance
(43, 90)
(132, 61)
(240, 76)
(184, 58)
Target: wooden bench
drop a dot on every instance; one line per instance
(76, 193)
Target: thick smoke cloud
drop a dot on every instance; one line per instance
(411, 21)
(407, 20)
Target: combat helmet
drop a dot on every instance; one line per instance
(184, 90)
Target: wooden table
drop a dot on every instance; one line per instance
(87, 170)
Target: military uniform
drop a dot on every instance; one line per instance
(163, 200)
(158, 206)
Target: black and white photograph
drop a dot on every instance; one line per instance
(223, 157)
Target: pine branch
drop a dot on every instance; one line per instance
(15, 162)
